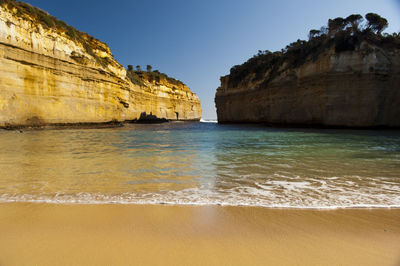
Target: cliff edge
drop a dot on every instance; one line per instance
(52, 73)
(345, 75)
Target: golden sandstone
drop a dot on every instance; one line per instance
(58, 75)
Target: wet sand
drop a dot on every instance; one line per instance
(50, 234)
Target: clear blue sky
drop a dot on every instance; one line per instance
(199, 41)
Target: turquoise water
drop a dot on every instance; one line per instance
(202, 163)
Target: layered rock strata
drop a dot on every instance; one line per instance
(56, 75)
(359, 88)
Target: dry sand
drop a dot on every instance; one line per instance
(50, 234)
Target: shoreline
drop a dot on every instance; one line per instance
(117, 124)
(121, 234)
(207, 205)
(86, 125)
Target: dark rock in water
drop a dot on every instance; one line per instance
(150, 119)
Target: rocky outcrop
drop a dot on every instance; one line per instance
(354, 88)
(54, 74)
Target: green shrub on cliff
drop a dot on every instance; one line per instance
(138, 76)
(376, 23)
(135, 77)
(340, 34)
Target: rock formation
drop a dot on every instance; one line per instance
(54, 74)
(351, 79)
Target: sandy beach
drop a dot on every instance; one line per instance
(51, 234)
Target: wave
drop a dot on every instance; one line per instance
(208, 120)
(192, 200)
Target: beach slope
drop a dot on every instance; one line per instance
(51, 234)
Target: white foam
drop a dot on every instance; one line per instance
(245, 196)
(271, 191)
(208, 121)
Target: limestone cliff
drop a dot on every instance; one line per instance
(164, 97)
(54, 74)
(355, 84)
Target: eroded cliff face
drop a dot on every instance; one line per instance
(359, 88)
(48, 76)
(164, 99)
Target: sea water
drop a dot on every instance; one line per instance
(202, 164)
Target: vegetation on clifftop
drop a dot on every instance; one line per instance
(47, 21)
(138, 76)
(342, 34)
(89, 43)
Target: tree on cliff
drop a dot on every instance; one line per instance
(324, 30)
(138, 68)
(354, 21)
(130, 68)
(336, 25)
(340, 34)
(376, 23)
(314, 34)
(149, 67)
